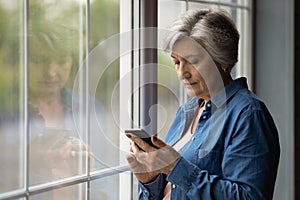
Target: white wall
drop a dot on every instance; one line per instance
(274, 80)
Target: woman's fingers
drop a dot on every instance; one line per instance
(132, 161)
(157, 142)
(78, 145)
(140, 143)
(151, 159)
(135, 148)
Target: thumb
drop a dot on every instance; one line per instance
(157, 142)
(131, 161)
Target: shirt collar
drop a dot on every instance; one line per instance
(221, 97)
(191, 104)
(225, 94)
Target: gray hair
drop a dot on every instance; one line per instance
(213, 30)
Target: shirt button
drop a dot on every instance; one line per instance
(193, 138)
(204, 117)
(173, 186)
(208, 105)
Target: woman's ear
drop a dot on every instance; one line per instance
(219, 66)
(223, 68)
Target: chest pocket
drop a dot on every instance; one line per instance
(210, 161)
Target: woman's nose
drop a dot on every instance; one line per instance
(183, 71)
(52, 69)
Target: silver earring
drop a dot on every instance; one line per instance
(226, 70)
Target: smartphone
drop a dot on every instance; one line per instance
(141, 133)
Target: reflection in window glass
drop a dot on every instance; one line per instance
(56, 146)
(70, 113)
(11, 96)
(104, 82)
(104, 86)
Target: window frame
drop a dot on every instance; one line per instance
(27, 190)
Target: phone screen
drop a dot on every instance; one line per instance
(141, 134)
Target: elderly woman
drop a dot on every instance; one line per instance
(223, 143)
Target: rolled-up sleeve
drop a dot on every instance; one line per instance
(153, 190)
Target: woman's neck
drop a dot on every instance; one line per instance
(217, 86)
(52, 110)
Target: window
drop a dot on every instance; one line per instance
(74, 75)
(56, 121)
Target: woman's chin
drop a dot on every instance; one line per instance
(191, 93)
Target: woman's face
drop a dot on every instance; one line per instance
(195, 69)
(49, 74)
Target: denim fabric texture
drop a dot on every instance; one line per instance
(233, 154)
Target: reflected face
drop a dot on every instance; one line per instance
(195, 68)
(49, 75)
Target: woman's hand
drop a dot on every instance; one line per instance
(147, 162)
(58, 155)
(69, 156)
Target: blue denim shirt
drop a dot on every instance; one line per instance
(233, 154)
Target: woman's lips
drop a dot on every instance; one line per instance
(188, 84)
(49, 82)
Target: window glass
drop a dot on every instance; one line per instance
(56, 44)
(193, 5)
(170, 92)
(232, 2)
(105, 188)
(244, 25)
(11, 95)
(103, 63)
(104, 82)
(73, 192)
(70, 93)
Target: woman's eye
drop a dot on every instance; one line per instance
(194, 62)
(176, 62)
